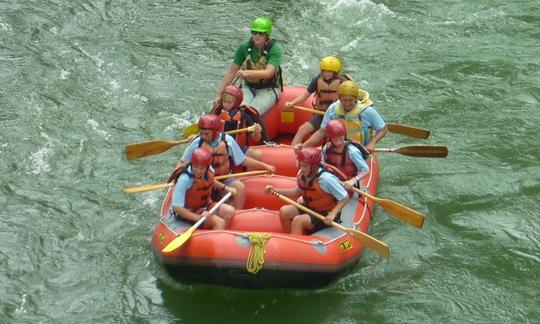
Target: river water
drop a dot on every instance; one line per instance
(81, 79)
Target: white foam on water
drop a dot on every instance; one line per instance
(182, 120)
(348, 4)
(95, 126)
(21, 309)
(64, 74)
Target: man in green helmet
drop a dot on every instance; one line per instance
(257, 62)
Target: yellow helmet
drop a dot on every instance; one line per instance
(331, 63)
(348, 88)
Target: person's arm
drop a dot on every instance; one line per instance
(267, 73)
(223, 187)
(376, 138)
(376, 123)
(330, 184)
(256, 135)
(179, 199)
(362, 169)
(313, 140)
(298, 99)
(333, 213)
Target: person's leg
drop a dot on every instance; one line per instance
(300, 224)
(226, 212)
(215, 223)
(286, 215)
(264, 99)
(304, 130)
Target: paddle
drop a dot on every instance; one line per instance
(180, 240)
(436, 151)
(144, 188)
(190, 130)
(142, 149)
(363, 238)
(395, 209)
(408, 130)
(393, 128)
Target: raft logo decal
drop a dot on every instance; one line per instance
(345, 245)
(162, 237)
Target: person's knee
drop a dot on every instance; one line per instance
(228, 213)
(218, 223)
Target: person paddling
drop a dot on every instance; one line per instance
(360, 119)
(325, 85)
(236, 116)
(257, 61)
(225, 153)
(191, 196)
(321, 191)
(347, 156)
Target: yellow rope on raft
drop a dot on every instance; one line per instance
(255, 260)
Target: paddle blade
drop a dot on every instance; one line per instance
(408, 130)
(401, 212)
(435, 151)
(371, 243)
(139, 150)
(191, 130)
(179, 240)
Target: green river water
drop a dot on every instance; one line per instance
(81, 79)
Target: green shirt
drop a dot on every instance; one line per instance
(274, 55)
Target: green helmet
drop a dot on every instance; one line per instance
(262, 24)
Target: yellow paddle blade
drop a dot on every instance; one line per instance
(179, 240)
(396, 209)
(190, 130)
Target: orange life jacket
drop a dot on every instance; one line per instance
(237, 121)
(198, 196)
(341, 159)
(221, 161)
(314, 197)
(327, 91)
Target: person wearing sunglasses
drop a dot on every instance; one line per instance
(257, 62)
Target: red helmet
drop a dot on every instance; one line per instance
(212, 122)
(335, 128)
(309, 155)
(236, 92)
(201, 156)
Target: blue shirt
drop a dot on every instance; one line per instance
(370, 118)
(355, 155)
(330, 184)
(235, 151)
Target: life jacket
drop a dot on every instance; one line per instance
(341, 159)
(314, 197)
(237, 120)
(261, 63)
(327, 91)
(221, 161)
(198, 196)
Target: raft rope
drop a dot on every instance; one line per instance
(255, 261)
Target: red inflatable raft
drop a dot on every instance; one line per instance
(254, 252)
